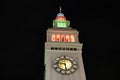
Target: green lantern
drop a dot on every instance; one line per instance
(60, 21)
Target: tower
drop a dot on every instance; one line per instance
(63, 52)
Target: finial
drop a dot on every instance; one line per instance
(60, 9)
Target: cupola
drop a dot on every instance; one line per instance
(60, 21)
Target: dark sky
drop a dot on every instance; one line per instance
(23, 33)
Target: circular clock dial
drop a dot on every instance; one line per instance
(65, 65)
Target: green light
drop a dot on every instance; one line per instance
(61, 24)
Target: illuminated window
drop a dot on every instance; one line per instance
(64, 24)
(61, 24)
(57, 37)
(62, 38)
(53, 37)
(72, 38)
(67, 38)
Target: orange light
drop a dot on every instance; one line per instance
(62, 38)
(53, 37)
(67, 38)
(60, 18)
(58, 37)
(72, 38)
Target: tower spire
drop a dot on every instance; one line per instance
(60, 9)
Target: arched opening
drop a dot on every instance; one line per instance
(58, 37)
(62, 38)
(53, 37)
(67, 39)
(72, 38)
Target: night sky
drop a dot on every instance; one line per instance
(23, 34)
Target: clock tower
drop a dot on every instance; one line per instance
(63, 52)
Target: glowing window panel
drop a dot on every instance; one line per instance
(58, 37)
(67, 38)
(62, 38)
(72, 38)
(53, 37)
(63, 25)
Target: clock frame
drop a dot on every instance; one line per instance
(65, 65)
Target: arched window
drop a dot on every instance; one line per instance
(72, 38)
(53, 37)
(58, 38)
(62, 38)
(67, 39)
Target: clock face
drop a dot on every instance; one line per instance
(65, 65)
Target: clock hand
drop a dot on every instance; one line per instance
(64, 65)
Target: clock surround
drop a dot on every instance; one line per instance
(65, 65)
